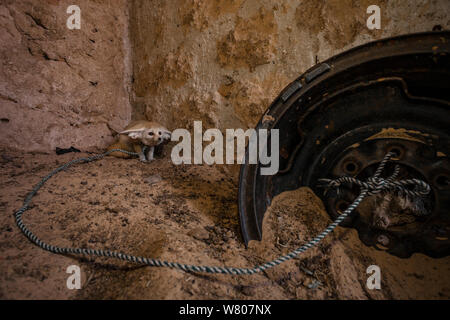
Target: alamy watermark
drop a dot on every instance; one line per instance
(74, 20)
(74, 280)
(374, 20)
(213, 153)
(374, 280)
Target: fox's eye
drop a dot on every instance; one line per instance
(159, 132)
(150, 134)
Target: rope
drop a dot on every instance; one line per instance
(373, 185)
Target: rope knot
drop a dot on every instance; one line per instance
(377, 184)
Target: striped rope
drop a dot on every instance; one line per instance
(376, 184)
(373, 185)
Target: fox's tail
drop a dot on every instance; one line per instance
(118, 154)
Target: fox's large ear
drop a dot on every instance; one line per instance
(133, 133)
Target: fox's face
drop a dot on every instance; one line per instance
(155, 136)
(150, 136)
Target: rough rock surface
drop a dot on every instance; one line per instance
(223, 62)
(61, 87)
(219, 61)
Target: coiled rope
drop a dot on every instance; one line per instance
(373, 185)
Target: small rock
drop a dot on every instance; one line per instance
(199, 234)
(315, 284)
(384, 240)
(153, 179)
(308, 272)
(113, 210)
(307, 282)
(312, 283)
(300, 293)
(248, 291)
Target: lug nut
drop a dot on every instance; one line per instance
(383, 240)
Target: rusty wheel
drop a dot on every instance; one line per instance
(342, 116)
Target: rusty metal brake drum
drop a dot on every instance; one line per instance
(341, 117)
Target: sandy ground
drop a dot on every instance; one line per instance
(188, 214)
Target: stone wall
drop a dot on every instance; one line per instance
(61, 87)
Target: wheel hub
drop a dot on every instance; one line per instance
(394, 222)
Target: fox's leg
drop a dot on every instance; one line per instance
(138, 150)
(150, 153)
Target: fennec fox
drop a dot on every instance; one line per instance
(138, 135)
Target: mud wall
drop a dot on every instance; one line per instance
(220, 61)
(61, 87)
(224, 61)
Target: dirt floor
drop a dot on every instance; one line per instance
(189, 214)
